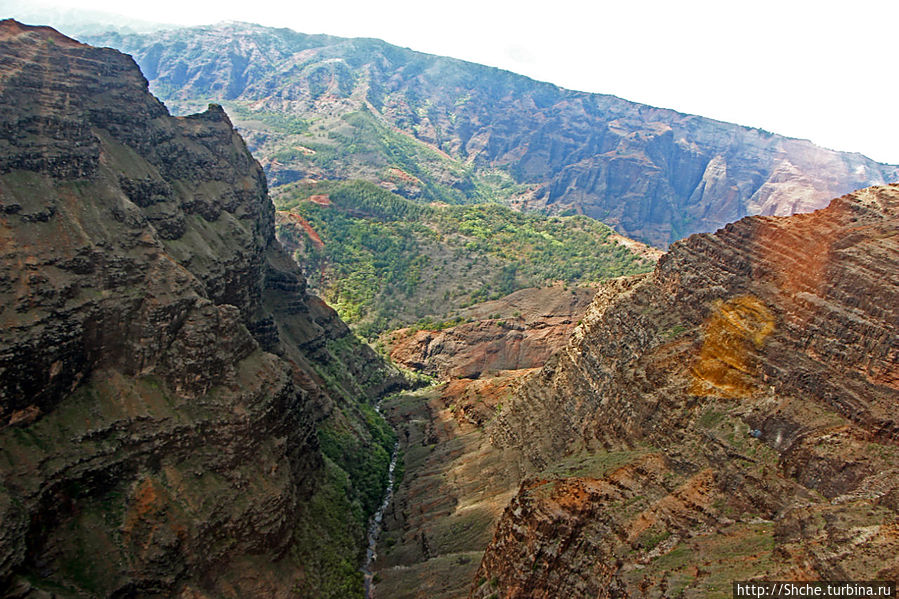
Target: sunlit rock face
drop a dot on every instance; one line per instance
(731, 415)
(157, 391)
(519, 331)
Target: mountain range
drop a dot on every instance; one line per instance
(322, 107)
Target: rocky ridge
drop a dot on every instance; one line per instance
(519, 331)
(163, 370)
(443, 129)
(729, 416)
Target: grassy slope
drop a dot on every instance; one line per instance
(388, 262)
(352, 142)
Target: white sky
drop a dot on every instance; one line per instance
(825, 70)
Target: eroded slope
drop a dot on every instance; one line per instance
(443, 129)
(730, 416)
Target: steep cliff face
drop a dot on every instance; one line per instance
(519, 331)
(162, 368)
(418, 123)
(730, 416)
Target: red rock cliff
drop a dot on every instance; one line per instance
(730, 416)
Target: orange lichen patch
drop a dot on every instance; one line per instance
(145, 503)
(320, 199)
(576, 495)
(643, 522)
(298, 220)
(734, 334)
(24, 416)
(150, 519)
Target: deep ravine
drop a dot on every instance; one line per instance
(374, 524)
(448, 493)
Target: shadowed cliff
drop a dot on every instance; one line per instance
(165, 379)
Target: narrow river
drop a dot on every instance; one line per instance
(374, 525)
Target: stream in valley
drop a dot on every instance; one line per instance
(374, 525)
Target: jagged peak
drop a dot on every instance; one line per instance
(214, 113)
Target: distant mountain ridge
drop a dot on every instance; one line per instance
(440, 128)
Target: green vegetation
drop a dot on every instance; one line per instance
(594, 464)
(365, 462)
(367, 135)
(388, 261)
(741, 552)
(280, 121)
(652, 537)
(329, 539)
(356, 443)
(399, 471)
(710, 418)
(357, 143)
(674, 331)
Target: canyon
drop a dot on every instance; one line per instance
(729, 416)
(181, 416)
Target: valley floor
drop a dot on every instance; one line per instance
(454, 487)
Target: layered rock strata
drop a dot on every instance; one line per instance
(519, 331)
(730, 416)
(453, 489)
(455, 483)
(161, 364)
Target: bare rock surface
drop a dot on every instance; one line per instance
(730, 416)
(519, 331)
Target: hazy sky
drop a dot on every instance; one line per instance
(826, 71)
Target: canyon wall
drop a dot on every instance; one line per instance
(730, 416)
(163, 371)
(444, 129)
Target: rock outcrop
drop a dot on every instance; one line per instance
(519, 331)
(162, 368)
(730, 416)
(655, 174)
